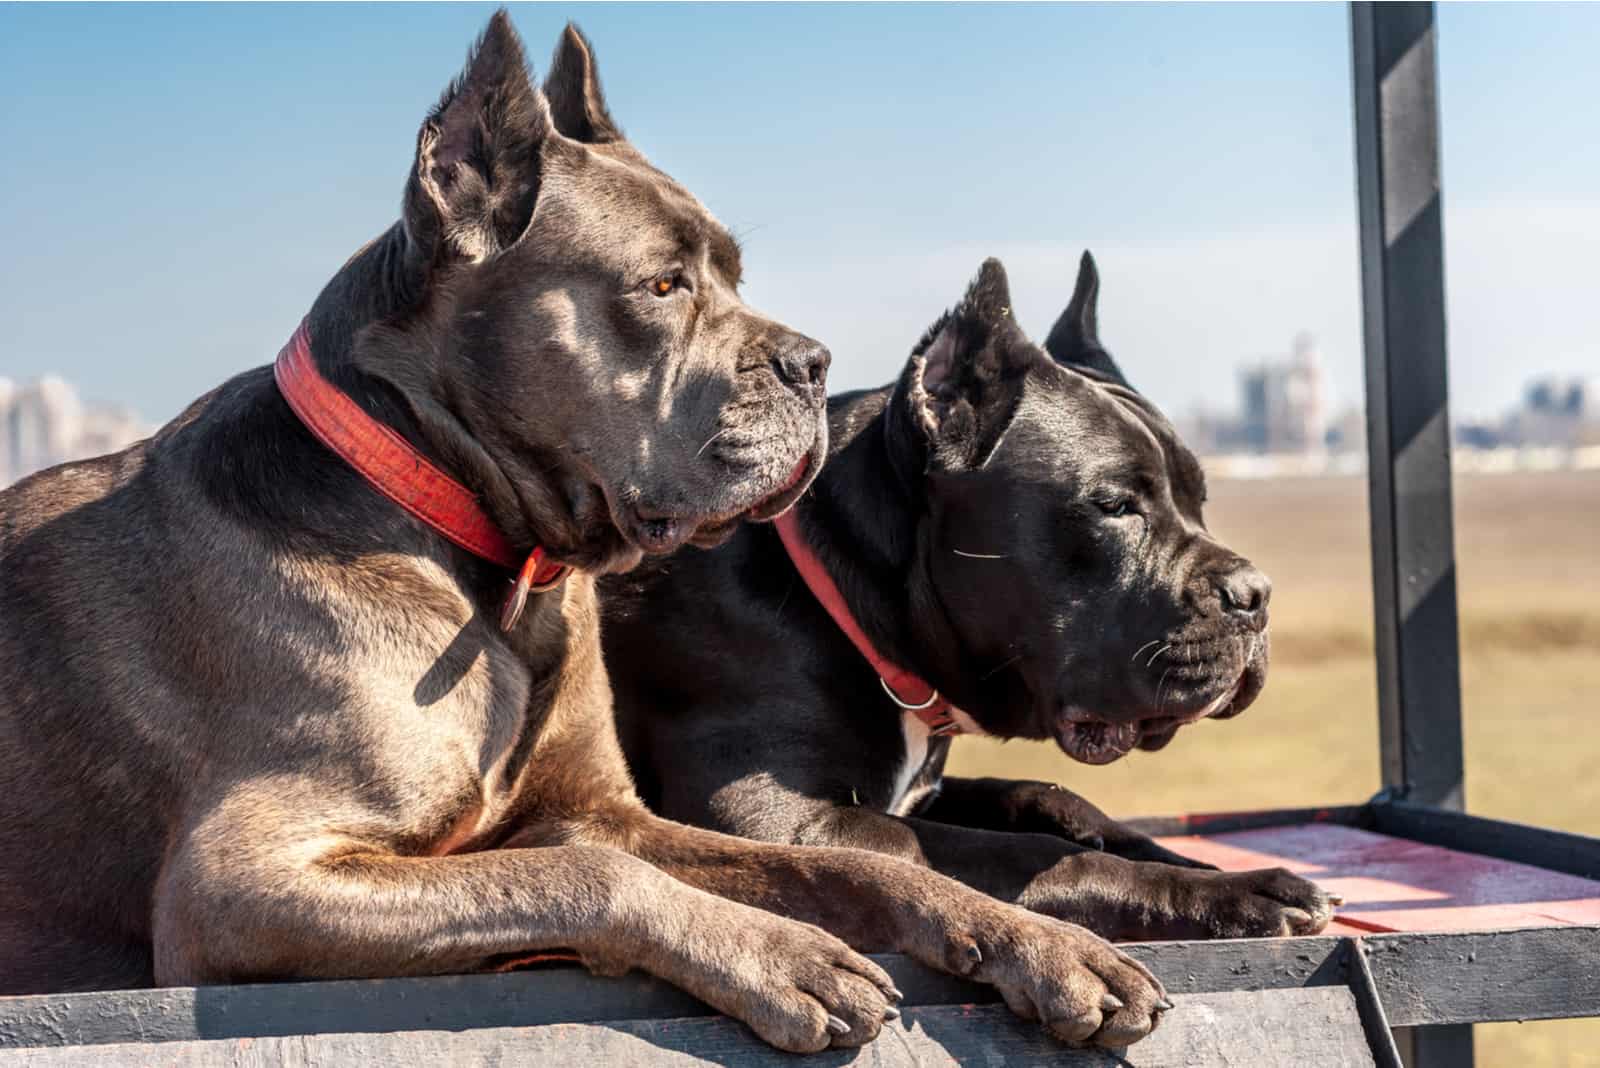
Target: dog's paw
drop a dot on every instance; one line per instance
(1259, 904)
(1083, 989)
(796, 986)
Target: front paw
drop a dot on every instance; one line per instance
(1083, 989)
(796, 986)
(1266, 903)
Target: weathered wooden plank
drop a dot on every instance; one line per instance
(1374, 1020)
(1242, 964)
(1400, 884)
(1538, 974)
(1222, 822)
(447, 1002)
(1310, 1027)
(555, 995)
(1574, 854)
(1423, 980)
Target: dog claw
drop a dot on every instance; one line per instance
(1163, 1005)
(1110, 1003)
(891, 1013)
(975, 955)
(1336, 899)
(894, 992)
(837, 1026)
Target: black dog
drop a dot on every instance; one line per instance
(1024, 533)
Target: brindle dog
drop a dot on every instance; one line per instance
(1023, 530)
(257, 722)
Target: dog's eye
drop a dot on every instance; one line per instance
(666, 284)
(1117, 509)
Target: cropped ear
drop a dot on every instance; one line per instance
(472, 190)
(961, 386)
(1075, 339)
(577, 103)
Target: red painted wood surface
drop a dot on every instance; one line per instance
(1392, 884)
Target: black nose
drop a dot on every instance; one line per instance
(1244, 590)
(803, 364)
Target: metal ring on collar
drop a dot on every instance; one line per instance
(543, 587)
(934, 696)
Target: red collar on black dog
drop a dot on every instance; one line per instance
(905, 688)
(402, 474)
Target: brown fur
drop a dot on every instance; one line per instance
(257, 723)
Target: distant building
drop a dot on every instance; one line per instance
(1556, 412)
(8, 390)
(45, 423)
(1283, 408)
(1285, 404)
(1347, 432)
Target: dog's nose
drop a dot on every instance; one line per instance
(803, 364)
(1244, 590)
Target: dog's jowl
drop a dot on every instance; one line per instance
(1007, 541)
(309, 684)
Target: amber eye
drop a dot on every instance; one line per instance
(664, 285)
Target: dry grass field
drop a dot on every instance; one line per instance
(1528, 577)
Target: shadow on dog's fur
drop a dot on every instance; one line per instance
(256, 722)
(1023, 530)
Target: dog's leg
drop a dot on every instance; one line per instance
(354, 912)
(1044, 808)
(1080, 986)
(1115, 897)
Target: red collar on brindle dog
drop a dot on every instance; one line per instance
(402, 474)
(905, 688)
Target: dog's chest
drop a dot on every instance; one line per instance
(449, 714)
(910, 789)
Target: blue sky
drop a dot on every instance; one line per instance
(180, 181)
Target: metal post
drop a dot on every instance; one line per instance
(1408, 426)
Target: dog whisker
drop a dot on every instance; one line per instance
(1157, 654)
(1142, 648)
(1159, 688)
(709, 440)
(980, 556)
(1001, 667)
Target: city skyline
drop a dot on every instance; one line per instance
(1280, 409)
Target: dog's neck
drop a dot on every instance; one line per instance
(379, 283)
(865, 520)
(374, 303)
(375, 331)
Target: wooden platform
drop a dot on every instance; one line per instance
(1314, 1026)
(1393, 884)
(1449, 919)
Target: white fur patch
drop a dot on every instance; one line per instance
(915, 734)
(967, 724)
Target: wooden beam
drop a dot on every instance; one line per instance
(1574, 854)
(1540, 973)
(1289, 1028)
(555, 995)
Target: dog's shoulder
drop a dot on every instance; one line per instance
(47, 496)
